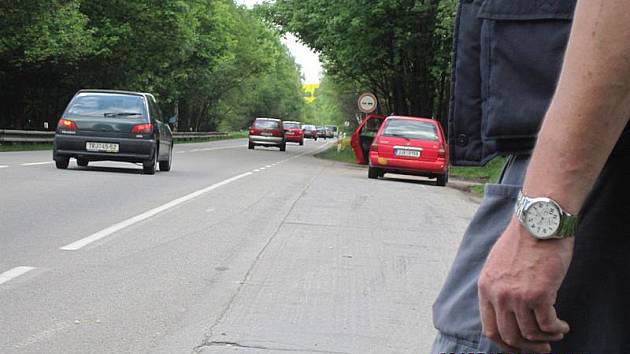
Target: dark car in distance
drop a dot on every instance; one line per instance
(108, 125)
(267, 132)
(310, 131)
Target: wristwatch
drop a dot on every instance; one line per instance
(544, 218)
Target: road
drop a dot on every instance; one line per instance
(232, 251)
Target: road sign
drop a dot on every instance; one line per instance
(367, 103)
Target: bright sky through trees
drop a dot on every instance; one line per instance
(309, 61)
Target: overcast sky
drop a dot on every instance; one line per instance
(309, 61)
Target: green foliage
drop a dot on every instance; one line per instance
(210, 60)
(397, 49)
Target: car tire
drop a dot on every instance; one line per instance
(149, 167)
(165, 166)
(250, 146)
(82, 162)
(442, 180)
(374, 172)
(283, 147)
(301, 142)
(62, 162)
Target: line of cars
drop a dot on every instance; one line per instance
(272, 132)
(402, 145)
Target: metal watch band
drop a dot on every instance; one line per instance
(568, 222)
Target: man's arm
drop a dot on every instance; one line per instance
(519, 283)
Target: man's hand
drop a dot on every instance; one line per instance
(518, 288)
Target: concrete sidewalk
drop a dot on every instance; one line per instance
(354, 268)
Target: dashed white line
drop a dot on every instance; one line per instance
(141, 217)
(14, 273)
(3, 166)
(257, 170)
(37, 163)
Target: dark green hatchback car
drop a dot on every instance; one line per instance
(106, 125)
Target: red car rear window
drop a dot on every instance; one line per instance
(411, 129)
(291, 125)
(266, 124)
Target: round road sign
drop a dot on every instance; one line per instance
(367, 103)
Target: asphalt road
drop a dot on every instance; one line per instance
(232, 251)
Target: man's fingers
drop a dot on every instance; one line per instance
(548, 320)
(511, 334)
(529, 327)
(488, 320)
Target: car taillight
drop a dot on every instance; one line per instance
(374, 147)
(252, 131)
(142, 129)
(67, 124)
(441, 153)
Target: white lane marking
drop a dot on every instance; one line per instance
(3, 166)
(210, 210)
(257, 170)
(14, 273)
(147, 214)
(37, 163)
(268, 166)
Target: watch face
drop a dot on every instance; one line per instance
(542, 219)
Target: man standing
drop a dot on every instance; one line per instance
(542, 266)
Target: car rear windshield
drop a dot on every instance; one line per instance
(291, 125)
(107, 105)
(266, 124)
(308, 127)
(411, 129)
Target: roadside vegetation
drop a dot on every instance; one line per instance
(398, 50)
(215, 63)
(345, 154)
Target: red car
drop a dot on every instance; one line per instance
(411, 146)
(293, 133)
(364, 135)
(310, 131)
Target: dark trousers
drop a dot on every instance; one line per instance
(595, 296)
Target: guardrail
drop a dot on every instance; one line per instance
(33, 136)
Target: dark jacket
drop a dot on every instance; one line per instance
(506, 62)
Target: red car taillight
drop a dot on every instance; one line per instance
(67, 124)
(142, 129)
(374, 147)
(441, 153)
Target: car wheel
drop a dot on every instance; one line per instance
(62, 162)
(166, 165)
(283, 147)
(148, 167)
(442, 179)
(82, 162)
(250, 146)
(374, 173)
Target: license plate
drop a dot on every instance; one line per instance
(406, 153)
(101, 147)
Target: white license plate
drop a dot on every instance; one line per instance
(407, 153)
(101, 147)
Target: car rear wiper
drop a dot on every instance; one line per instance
(118, 114)
(399, 136)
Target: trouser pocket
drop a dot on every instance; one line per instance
(456, 310)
